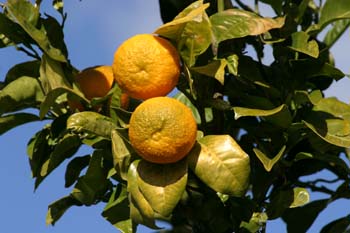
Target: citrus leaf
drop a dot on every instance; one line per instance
(23, 92)
(339, 225)
(215, 69)
(244, 112)
(92, 186)
(9, 122)
(190, 30)
(92, 123)
(117, 210)
(58, 208)
(301, 197)
(235, 23)
(334, 10)
(58, 5)
(162, 185)
(330, 120)
(74, 168)
(29, 69)
(256, 222)
(267, 162)
(123, 154)
(141, 211)
(336, 31)
(301, 43)
(27, 15)
(221, 164)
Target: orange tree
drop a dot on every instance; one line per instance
(261, 128)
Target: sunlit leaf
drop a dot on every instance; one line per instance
(23, 92)
(58, 5)
(256, 222)
(58, 208)
(215, 69)
(91, 123)
(27, 15)
(221, 164)
(336, 31)
(301, 43)
(162, 185)
(236, 23)
(301, 197)
(9, 122)
(266, 161)
(141, 211)
(244, 112)
(334, 10)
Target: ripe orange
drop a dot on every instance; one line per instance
(146, 66)
(162, 130)
(95, 81)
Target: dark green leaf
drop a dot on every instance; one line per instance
(299, 219)
(58, 208)
(221, 164)
(9, 122)
(22, 93)
(55, 32)
(58, 5)
(340, 225)
(123, 154)
(74, 168)
(27, 15)
(171, 8)
(117, 210)
(235, 23)
(91, 123)
(302, 44)
(29, 69)
(91, 187)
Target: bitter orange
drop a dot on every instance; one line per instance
(146, 66)
(162, 130)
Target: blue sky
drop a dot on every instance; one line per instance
(94, 29)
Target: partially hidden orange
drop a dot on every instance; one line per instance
(162, 130)
(146, 66)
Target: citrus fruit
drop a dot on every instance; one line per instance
(146, 66)
(95, 81)
(162, 130)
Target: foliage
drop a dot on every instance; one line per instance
(263, 127)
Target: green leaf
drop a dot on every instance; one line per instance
(190, 30)
(29, 69)
(334, 10)
(301, 43)
(266, 161)
(257, 221)
(91, 123)
(162, 185)
(330, 120)
(92, 186)
(215, 69)
(244, 112)
(9, 122)
(336, 31)
(221, 164)
(236, 23)
(58, 5)
(74, 168)
(299, 219)
(23, 92)
(27, 16)
(58, 208)
(301, 197)
(337, 226)
(117, 210)
(54, 32)
(123, 154)
(140, 209)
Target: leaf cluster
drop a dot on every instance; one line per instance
(263, 127)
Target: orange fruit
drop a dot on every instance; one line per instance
(95, 81)
(162, 130)
(146, 66)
